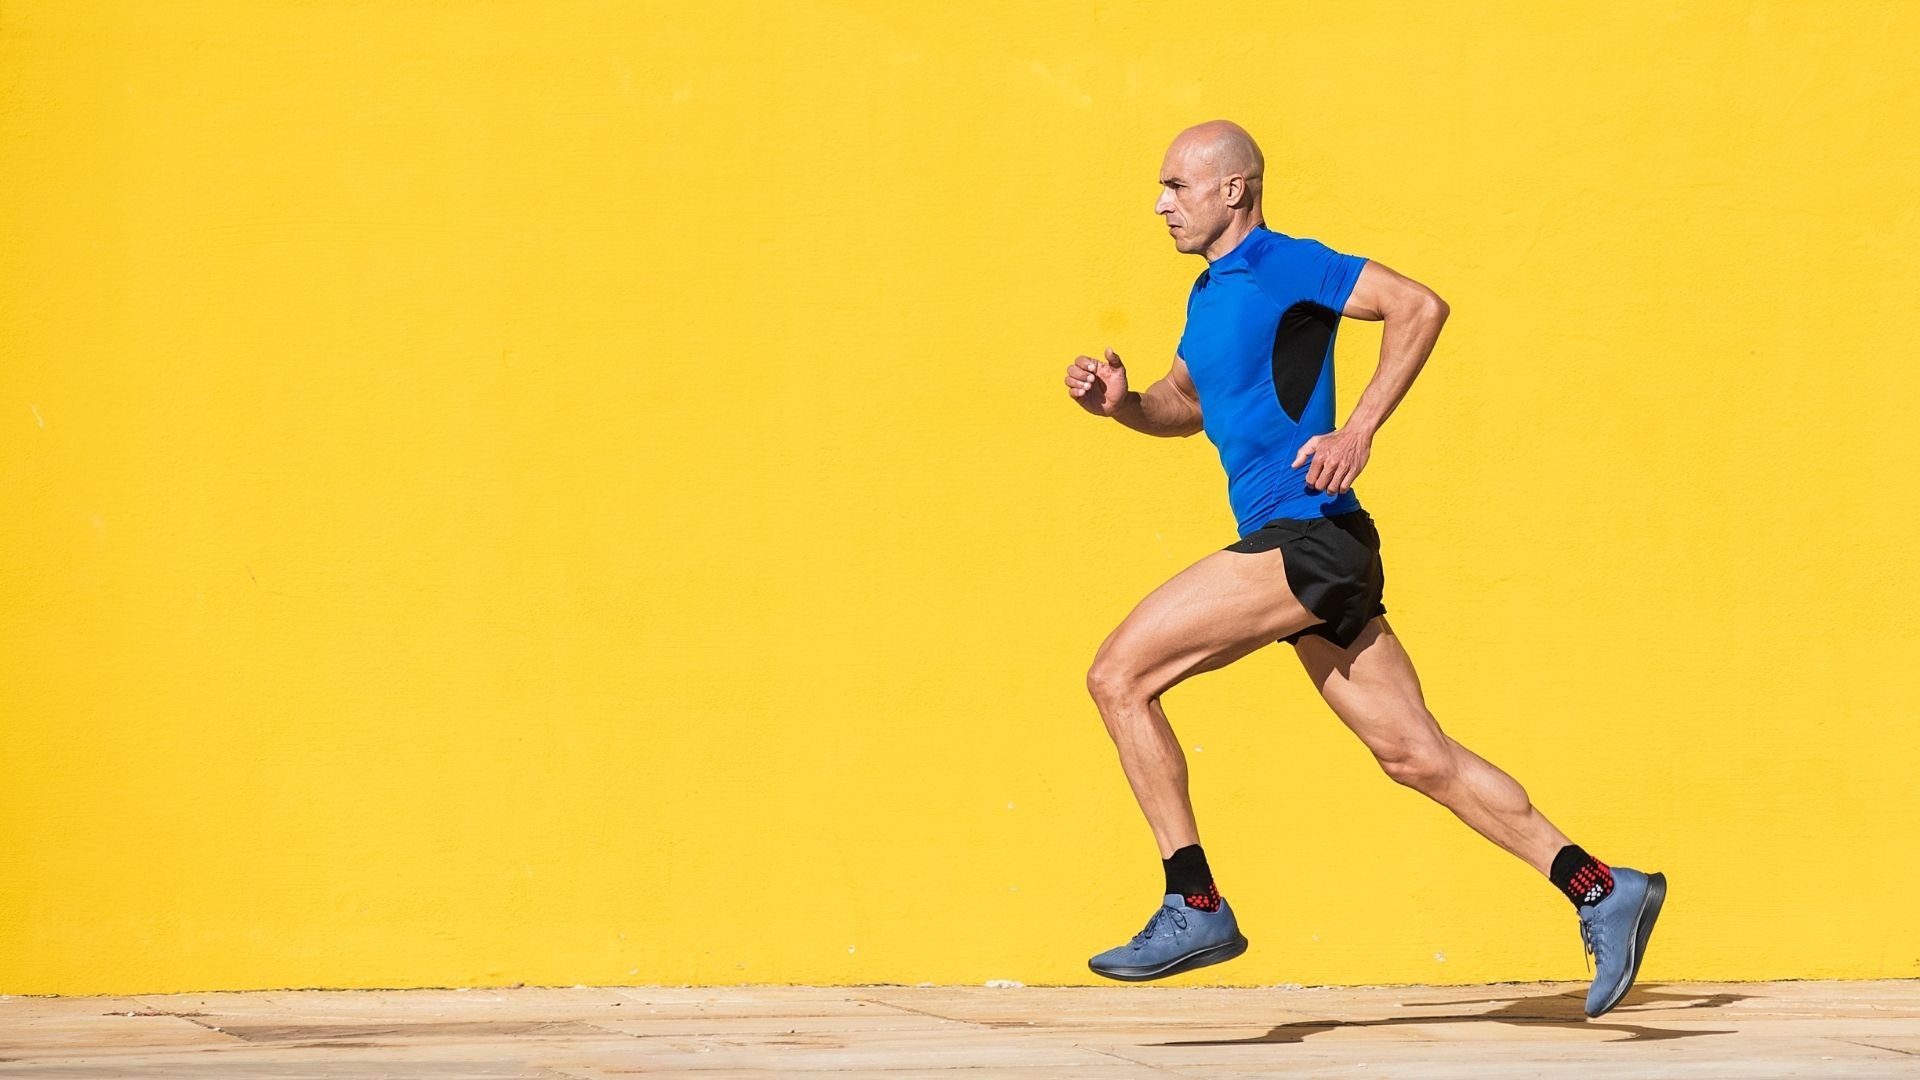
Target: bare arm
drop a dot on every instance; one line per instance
(1414, 315)
(1169, 408)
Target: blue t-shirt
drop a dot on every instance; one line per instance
(1261, 321)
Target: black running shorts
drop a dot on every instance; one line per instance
(1333, 567)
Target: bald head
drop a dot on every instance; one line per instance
(1224, 148)
(1210, 184)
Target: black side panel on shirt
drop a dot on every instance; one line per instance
(1299, 350)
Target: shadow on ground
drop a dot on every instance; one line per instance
(1555, 1010)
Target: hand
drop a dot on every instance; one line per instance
(1338, 457)
(1098, 386)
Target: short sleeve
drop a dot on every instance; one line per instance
(1330, 274)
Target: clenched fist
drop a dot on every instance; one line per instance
(1098, 386)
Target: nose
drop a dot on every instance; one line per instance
(1163, 204)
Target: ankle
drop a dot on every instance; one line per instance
(1580, 877)
(1189, 876)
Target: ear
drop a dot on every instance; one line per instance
(1234, 188)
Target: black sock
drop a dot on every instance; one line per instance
(1583, 878)
(1188, 875)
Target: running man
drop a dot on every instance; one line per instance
(1254, 370)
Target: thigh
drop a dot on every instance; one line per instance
(1207, 616)
(1373, 689)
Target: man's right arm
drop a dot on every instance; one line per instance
(1170, 408)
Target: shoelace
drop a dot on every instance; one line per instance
(1589, 952)
(1179, 920)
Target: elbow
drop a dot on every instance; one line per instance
(1416, 305)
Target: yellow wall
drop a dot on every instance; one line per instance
(584, 493)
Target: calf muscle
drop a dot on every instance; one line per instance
(1225, 606)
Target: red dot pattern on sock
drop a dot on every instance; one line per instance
(1591, 883)
(1206, 901)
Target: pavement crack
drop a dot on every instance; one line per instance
(921, 1012)
(193, 1018)
(1871, 1046)
(1133, 1061)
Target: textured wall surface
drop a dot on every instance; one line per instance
(583, 493)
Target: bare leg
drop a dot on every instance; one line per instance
(1156, 769)
(1373, 689)
(1214, 612)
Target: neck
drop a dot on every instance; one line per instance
(1243, 223)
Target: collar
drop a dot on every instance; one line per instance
(1258, 233)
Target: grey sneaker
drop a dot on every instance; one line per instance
(1177, 938)
(1615, 933)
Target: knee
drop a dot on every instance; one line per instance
(1421, 764)
(1111, 681)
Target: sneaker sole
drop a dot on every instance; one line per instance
(1643, 929)
(1213, 954)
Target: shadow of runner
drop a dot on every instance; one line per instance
(1556, 1010)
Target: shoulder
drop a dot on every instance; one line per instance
(1282, 266)
(1295, 268)
(1278, 252)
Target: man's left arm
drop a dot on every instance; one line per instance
(1414, 315)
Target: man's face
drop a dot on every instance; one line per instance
(1192, 201)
